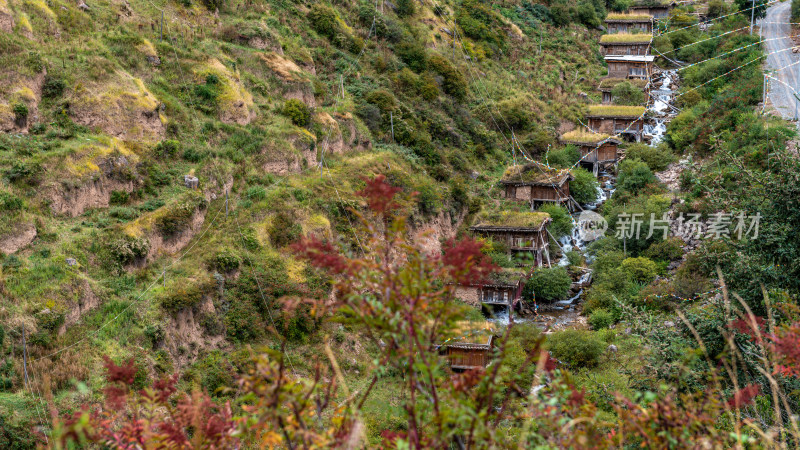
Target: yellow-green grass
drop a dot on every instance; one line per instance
(580, 136)
(609, 83)
(626, 38)
(628, 17)
(511, 219)
(615, 111)
(534, 173)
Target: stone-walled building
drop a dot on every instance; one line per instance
(536, 184)
(503, 288)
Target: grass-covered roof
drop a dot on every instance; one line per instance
(581, 136)
(510, 219)
(606, 84)
(615, 111)
(628, 17)
(626, 38)
(534, 173)
(507, 277)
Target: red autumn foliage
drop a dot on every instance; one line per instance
(786, 345)
(744, 396)
(465, 262)
(379, 194)
(123, 374)
(745, 326)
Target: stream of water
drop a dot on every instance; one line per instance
(565, 313)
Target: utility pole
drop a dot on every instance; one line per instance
(391, 118)
(24, 356)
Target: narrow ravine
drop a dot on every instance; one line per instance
(566, 313)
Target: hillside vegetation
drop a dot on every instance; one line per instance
(105, 109)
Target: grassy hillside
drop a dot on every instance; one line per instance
(279, 108)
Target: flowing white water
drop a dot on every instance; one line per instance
(661, 110)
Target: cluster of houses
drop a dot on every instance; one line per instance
(523, 234)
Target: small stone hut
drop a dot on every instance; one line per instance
(537, 184)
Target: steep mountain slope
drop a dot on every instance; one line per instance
(278, 108)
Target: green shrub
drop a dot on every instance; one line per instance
(583, 187)
(123, 213)
(118, 197)
(414, 54)
(225, 261)
(284, 230)
(562, 221)
(665, 250)
(10, 202)
(453, 82)
(547, 284)
(634, 175)
(575, 258)
(657, 158)
(181, 295)
(53, 87)
(641, 269)
(601, 318)
(128, 249)
(563, 157)
(405, 8)
(20, 111)
(383, 99)
(178, 217)
(168, 148)
(323, 19)
(297, 112)
(626, 93)
(256, 193)
(576, 348)
(213, 5)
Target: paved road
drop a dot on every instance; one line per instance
(776, 31)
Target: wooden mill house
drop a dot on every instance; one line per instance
(597, 150)
(627, 121)
(630, 66)
(625, 44)
(536, 184)
(524, 234)
(502, 288)
(659, 9)
(629, 23)
(471, 346)
(607, 86)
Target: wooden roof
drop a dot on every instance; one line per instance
(536, 174)
(583, 137)
(616, 111)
